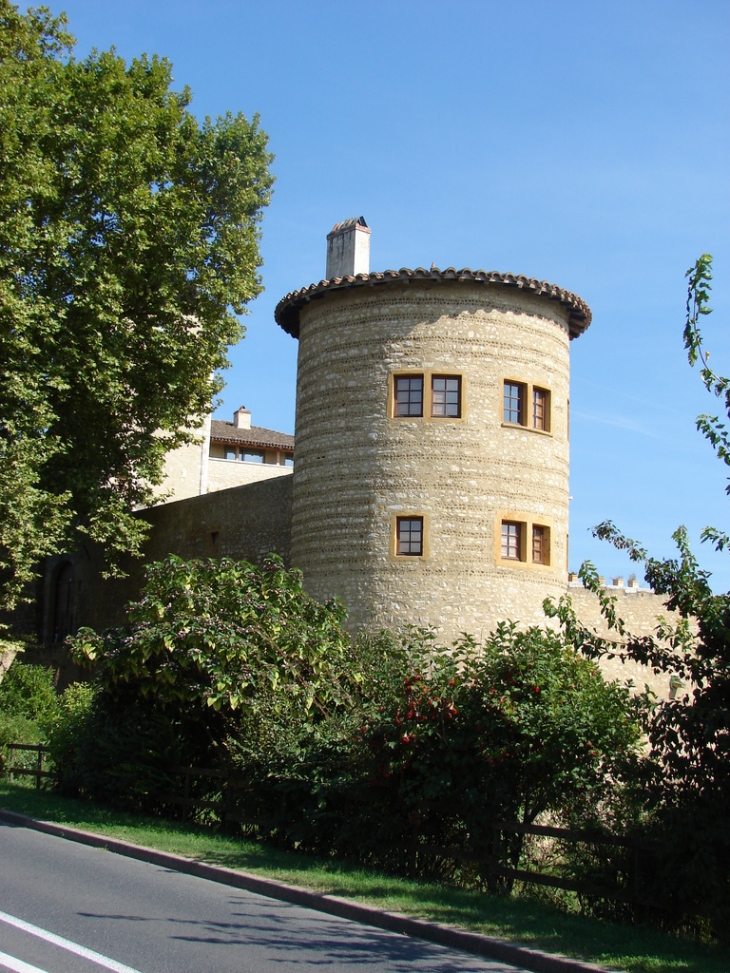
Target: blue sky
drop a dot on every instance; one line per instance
(582, 143)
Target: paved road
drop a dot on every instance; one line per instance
(141, 918)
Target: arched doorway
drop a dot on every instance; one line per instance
(64, 619)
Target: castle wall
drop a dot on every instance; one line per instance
(246, 522)
(186, 468)
(357, 467)
(641, 610)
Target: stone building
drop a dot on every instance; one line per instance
(430, 460)
(431, 476)
(226, 454)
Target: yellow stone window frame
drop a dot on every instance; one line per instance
(528, 393)
(427, 377)
(526, 524)
(405, 515)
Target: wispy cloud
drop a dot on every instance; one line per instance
(620, 422)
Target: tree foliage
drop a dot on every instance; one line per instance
(505, 730)
(224, 636)
(688, 784)
(337, 744)
(128, 244)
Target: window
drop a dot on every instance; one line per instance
(540, 544)
(540, 408)
(426, 395)
(409, 536)
(231, 452)
(252, 456)
(514, 403)
(517, 397)
(446, 396)
(408, 395)
(522, 541)
(512, 540)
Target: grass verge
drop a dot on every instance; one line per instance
(525, 921)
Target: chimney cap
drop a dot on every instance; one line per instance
(355, 221)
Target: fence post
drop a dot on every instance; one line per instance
(11, 752)
(637, 910)
(186, 794)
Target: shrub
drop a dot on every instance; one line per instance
(28, 705)
(453, 741)
(72, 718)
(213, 650)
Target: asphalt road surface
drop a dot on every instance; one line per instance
(66, 908)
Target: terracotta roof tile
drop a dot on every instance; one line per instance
(287, 310)
(225, 432)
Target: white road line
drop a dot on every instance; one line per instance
(17, 965)
(50, 937)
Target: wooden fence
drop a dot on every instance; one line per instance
(490, 865)
(20, 770)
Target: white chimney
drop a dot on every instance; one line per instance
(348, 248)
(242, 418)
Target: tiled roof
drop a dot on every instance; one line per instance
(287, 310)
(225, 432)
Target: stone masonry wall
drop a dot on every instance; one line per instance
(640, 609)
(246, 522)
(226, 473)
(186, 468)
(356, 468)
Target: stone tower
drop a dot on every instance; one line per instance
(431, 458)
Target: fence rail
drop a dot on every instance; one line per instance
(229, 813)
(38, 772)
(491, 863)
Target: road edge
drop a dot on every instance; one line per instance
(469, 942)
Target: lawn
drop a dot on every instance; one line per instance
(523, 920)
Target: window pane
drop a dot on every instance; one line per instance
(253, 456)
(540, 409)
(409, 395)
(511, 540)
(540, 545)
(446, 396)
(513, 403)
(410, 536)
(230, 453)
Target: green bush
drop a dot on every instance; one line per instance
(213, 650)
(72, 718)
(28, 704)
(28, 691)
(456, 740)
(366, 749)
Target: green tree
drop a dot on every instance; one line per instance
(128, 244)
(688, 784)
(216, 653)
(222, 637)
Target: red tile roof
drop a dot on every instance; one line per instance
(287, 310)
(225, 432)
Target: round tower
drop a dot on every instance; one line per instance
(431, 446)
